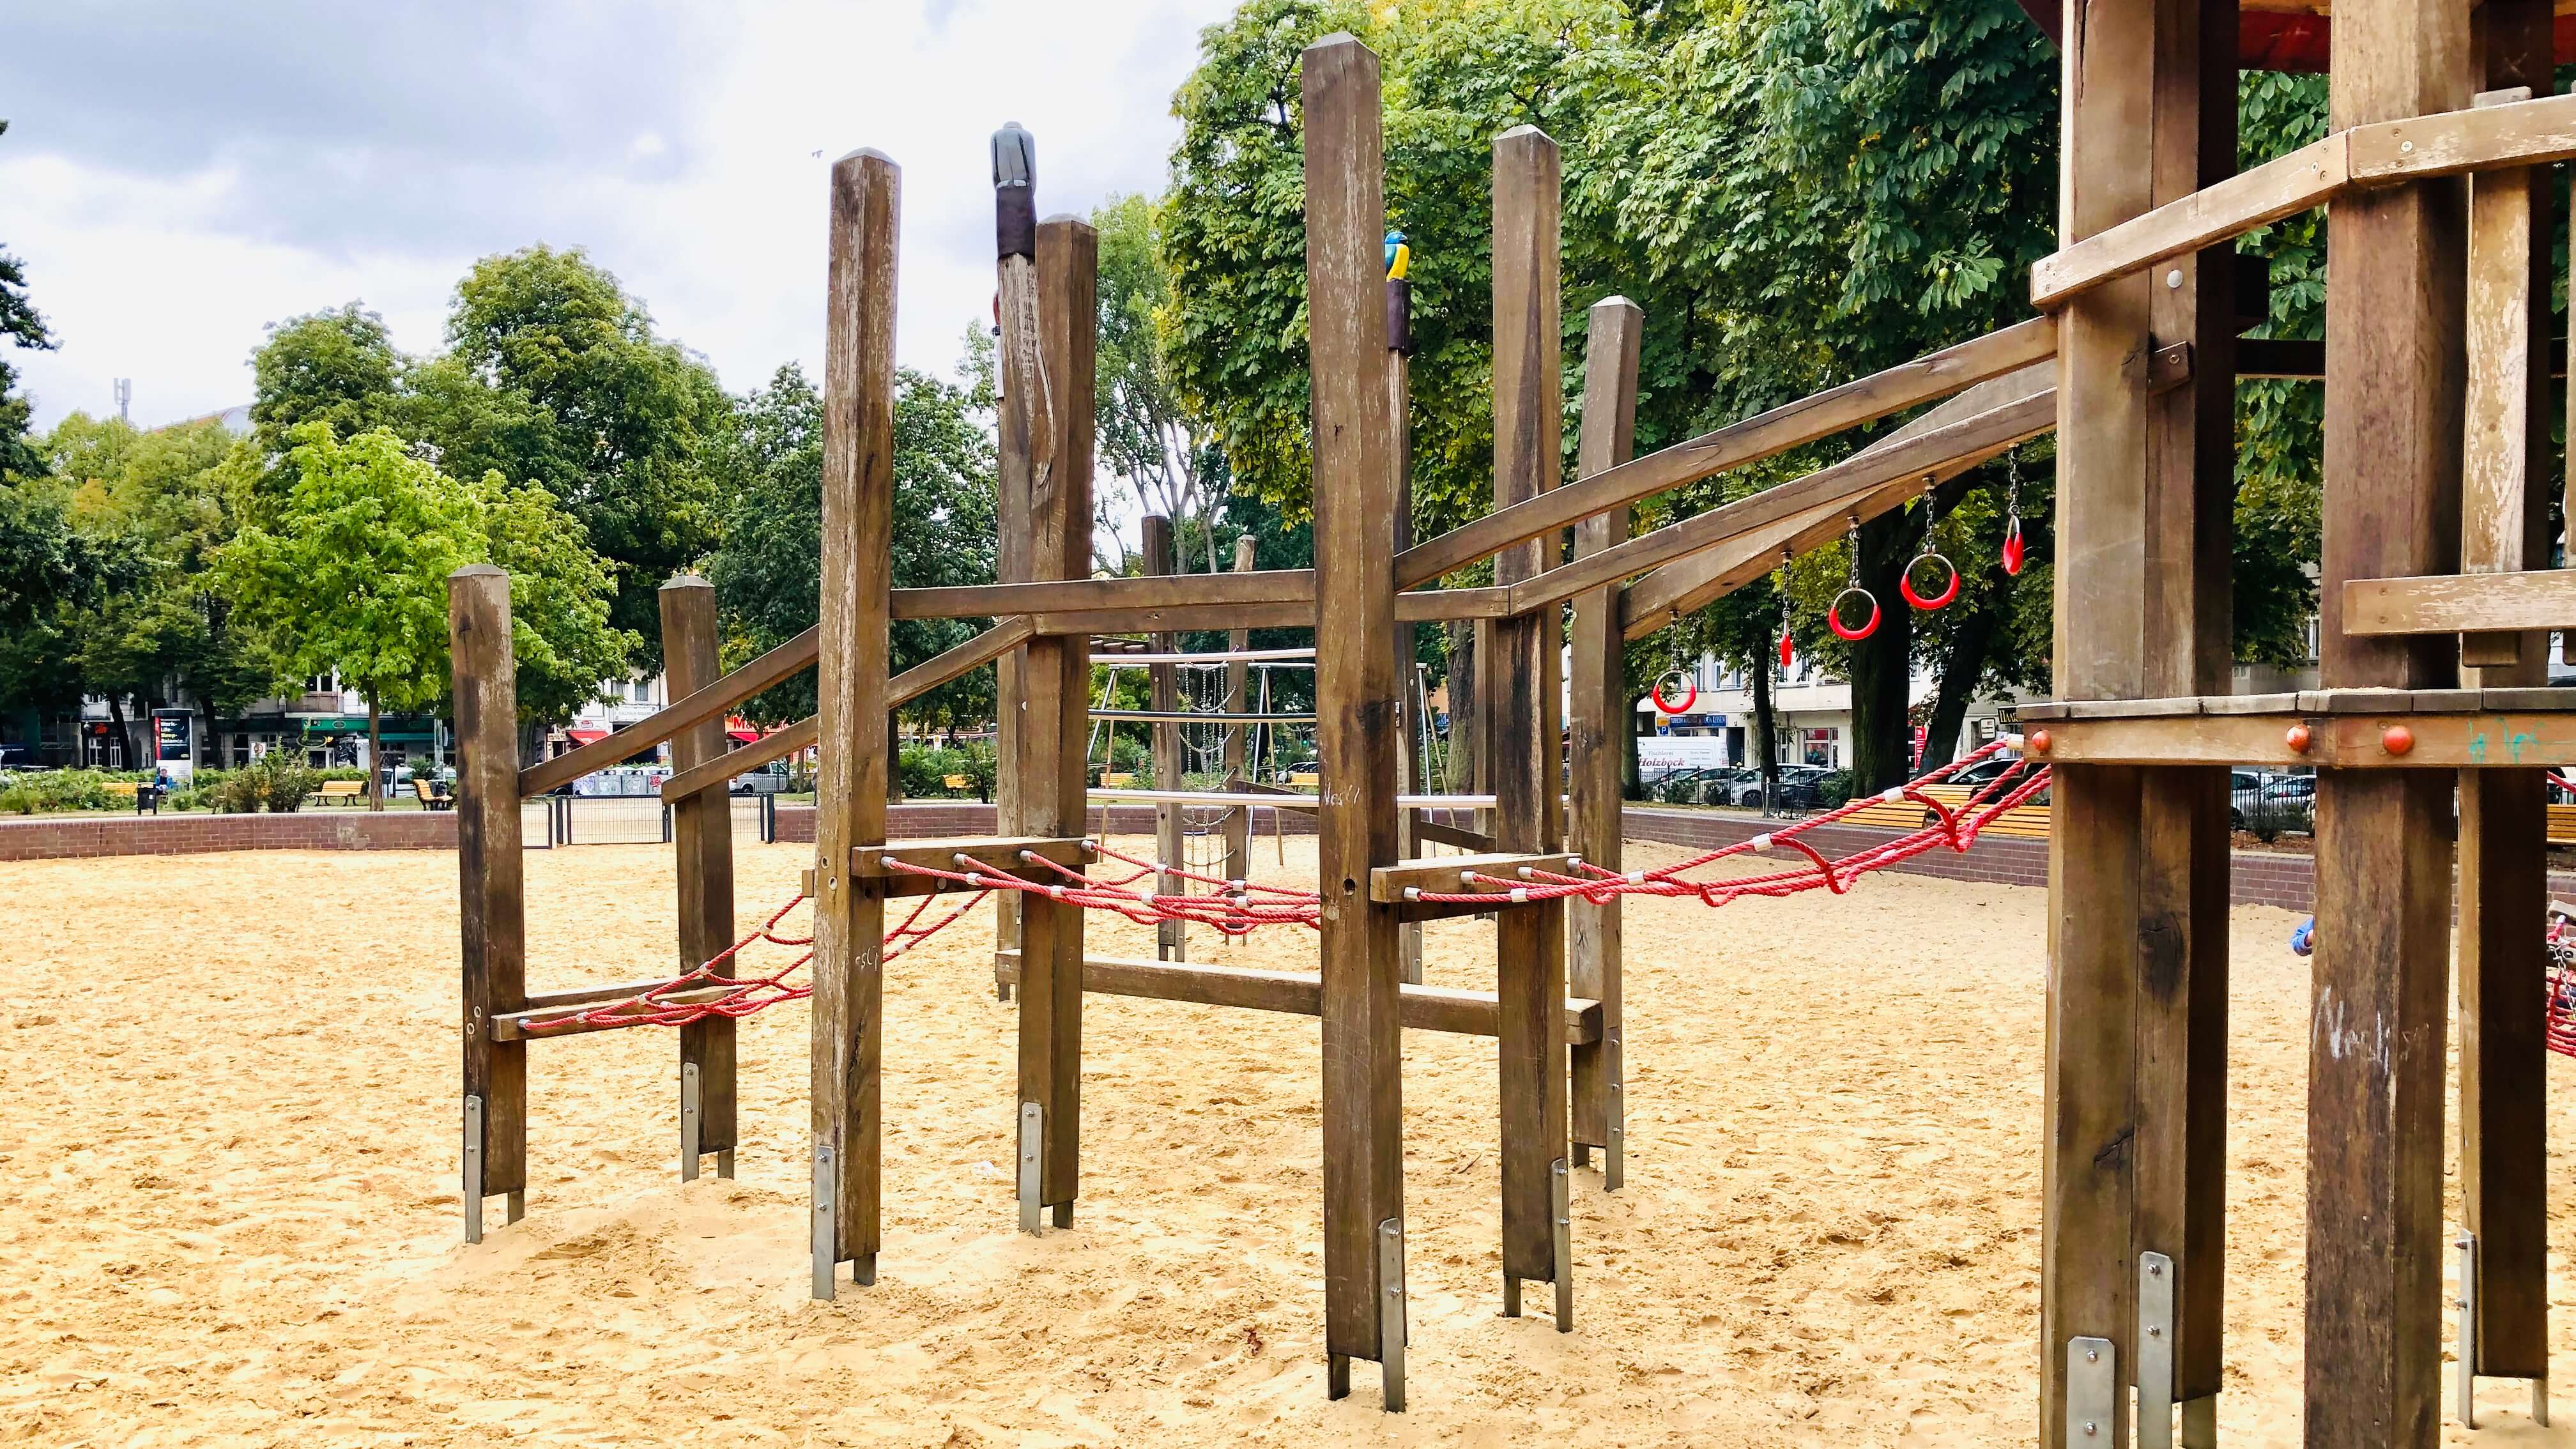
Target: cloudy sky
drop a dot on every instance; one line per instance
(178, 175)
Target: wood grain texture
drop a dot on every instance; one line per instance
(491, 900)
(1295, 993)
(702, 840)
(1023, 429)
(1354, 492)
(853, 774)
(1529, 813)
(1056, 731)
(2504, 814)
(2395, 378)
(1865, 400)
(1600, 719)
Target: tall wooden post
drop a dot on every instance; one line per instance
(1024, 426)
(2178, 1233)
(491, 891)
(2395, 374)
(1163, 681)
(1408, 722)
(1355, 496)
(1054, 744)
(1238, 699)
(2504, 815)
(2088, 1293)
(1527, 707)
(1598, 735)
(850, 712)
(702, 836)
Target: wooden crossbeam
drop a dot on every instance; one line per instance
(2482, 739)
(778, 665)
(2526, 133)
(2461, 603)
(1866, 400)
(1447, 874)
(1270, 599)
(1295, 993)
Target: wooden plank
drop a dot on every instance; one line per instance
(702, 841)
(1107, 595)
(2395, 379)
(2088, 1170)
(1688, 584)
(2525, 134)
(782, 663)
(1056, 743)
(713, 774)
(853, 775)
(2460, 603)
(1163, 681)
(1529, 816)
(531, 1024)
(491, 894)
(2504, 814)
(1295, 993)
(1446, 874)
(2461, 741)
(1024, 433)
(1597, 735)
(1409, 725)
(1438, 833)
(869, 862)
(1863, 401)
(1354, 496)
(1423, 606)
(2184, 857)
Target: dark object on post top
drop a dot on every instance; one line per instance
(1015, 196)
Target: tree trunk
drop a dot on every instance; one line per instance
(1962, 665)
(1631, 786)
(375, 756)
(124, 731)
(1882, 664)
(1463, 714)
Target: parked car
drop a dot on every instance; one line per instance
(1800, 788)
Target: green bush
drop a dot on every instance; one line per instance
(1834, 790)
(274, 781)
(48, 791)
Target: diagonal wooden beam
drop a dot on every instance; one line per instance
(699, 706)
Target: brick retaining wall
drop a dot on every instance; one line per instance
(2257, 877)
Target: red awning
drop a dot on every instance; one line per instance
(585, 737)
(2280, 38)
(743, 736)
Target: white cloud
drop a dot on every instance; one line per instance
(167, 213)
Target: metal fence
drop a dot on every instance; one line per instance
(555, 820)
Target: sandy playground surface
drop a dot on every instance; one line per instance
(229, 1205)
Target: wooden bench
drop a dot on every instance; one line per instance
(144, 796)
(430, 798)
(957, 782)
(1118, 781)
(2025, 822)
(2562, 824)
(341, 792)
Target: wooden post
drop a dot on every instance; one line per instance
(702, 834)
(1529, 814)
(2504, 816)
(1171, 938)
(2395, 375)
(2087, 1283)
(2182, 975)
(1355, 494)
(1408, 724)
(491, 891)
(850, 708)
(1600, 697)
(1238, 698)
(1054, 744)
(1024, 426)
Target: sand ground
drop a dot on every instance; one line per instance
(228, 1199)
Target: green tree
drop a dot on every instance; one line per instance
(560, 603)
(1146, 437)
(338, 367)
(554, 376)
(23, 328)
(767, 570)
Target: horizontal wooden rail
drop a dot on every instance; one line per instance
(769, 670)
(2521, 133)
(1447, 874)
(1688, 584)
(1151, 605)
(1077, 596)
(2406, 736)
(1986, 432)
(1423, 1008)
(724, 769)
(2461, 603)
(516, 1025)
(1733, 446)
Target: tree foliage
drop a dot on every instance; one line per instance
(22, 327)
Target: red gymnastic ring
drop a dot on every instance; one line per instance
(1666, 705)
(1834, 614)
(1905, 582)
(1784, 651)
(2013, 548)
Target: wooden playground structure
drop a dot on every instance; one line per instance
(2437, 372)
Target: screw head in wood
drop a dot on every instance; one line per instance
(2397, 740)
(2038, 741)
(2299, 738)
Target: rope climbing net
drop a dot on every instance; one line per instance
(1236, 908)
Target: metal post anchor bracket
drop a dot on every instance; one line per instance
(2093, 1393)
(826, 1229)
(1032, 1155)
(473, 1169)
(1393, 1328)
(2155, 1351)
(1561, 1216)
(689, 1122)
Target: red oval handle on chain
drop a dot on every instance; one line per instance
(1834, 615)
(1905, 582)
(1784, 650)
(2013, 552)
